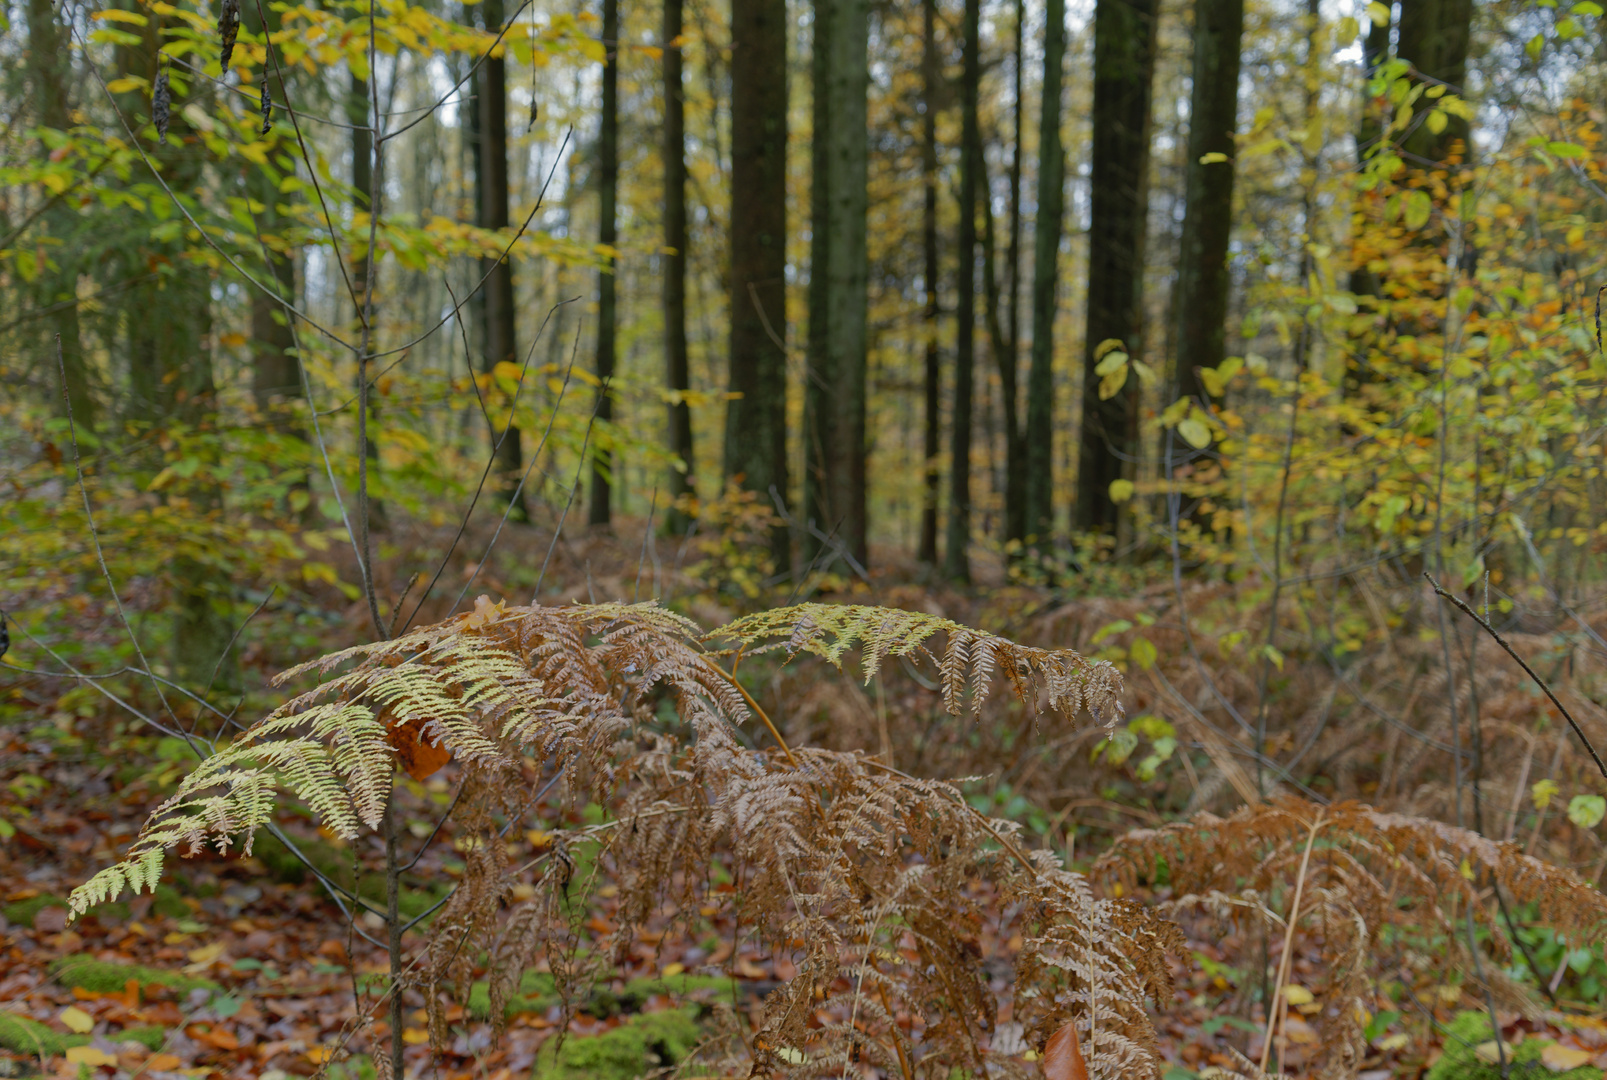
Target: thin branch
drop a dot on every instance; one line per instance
(1501, 641)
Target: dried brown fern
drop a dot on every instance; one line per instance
(1363, 871)
(867, 875)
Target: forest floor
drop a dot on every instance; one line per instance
(242, 967)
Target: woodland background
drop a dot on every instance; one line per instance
(1188, 334)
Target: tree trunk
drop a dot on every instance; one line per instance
(1201, 301)
(275, 368)
(1434, 38)
(608, 192)
(1124, 65)
(930, 75)
(756, 422)
(1015, 474)
(500, 327)
(358, 111)
(956, 559)
(834, 481)
(1045, 278)
(675, 239)
(56, 287)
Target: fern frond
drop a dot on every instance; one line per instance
(1069, 681)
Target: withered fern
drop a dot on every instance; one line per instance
(875, 882)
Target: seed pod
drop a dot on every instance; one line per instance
(228, 28)
(267, 108)
(161, 106)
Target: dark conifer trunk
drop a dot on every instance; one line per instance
(756, 422)
(608, 191)
(1045, 279)
(675, 361)
(932, 444)
(956, 557)
(1201, 301)
(500, 344)
(834, 415)
(1124, 66)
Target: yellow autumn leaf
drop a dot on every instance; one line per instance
(1435, 122)
(1296, 994)
(76, 1019)
(673, 970)
(1121, 490)
(127, 84)
(415, 1036)
(320, 1054)
(1194, 432)
(90, 1056)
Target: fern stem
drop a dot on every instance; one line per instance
(754, 705)
(1288, 943)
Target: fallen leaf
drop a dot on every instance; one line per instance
(1062, 1055)
(319, 1054)
(88, 1055)
(672, 970)
(1488, 1053)
(1560, 1058)
(162, 1063)
(77, 1020)
(1398, 1041)
(415, 1036)
(1298, 995)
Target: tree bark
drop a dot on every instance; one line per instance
(1203, 281)
(608, 192)
(500, 340)
(56, 287)
(956, 558)
(1045, 280)
(834, 481)
(756, 422)
(675, 239)
(932, 445)
(1434, 37)
(1124, 66)
(358, 111)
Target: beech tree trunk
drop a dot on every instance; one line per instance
(500, 344)
(608, 192)
(756, 422)
(933, 440)
(834, 405)
(956, 557)
(1434, 37)
(1124, 66)
(1045, 280)
(675, 362)
(1201, 302)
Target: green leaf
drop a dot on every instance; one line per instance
(1121, 490)
(1143, 653)
(1589, 7)
(1586, 811)
(1213, 158)
(1271, 653)
(1378, 14)
(1120, 626)
(1418, 208)
(1566, 149)
(1541, 793)
(1195, 433)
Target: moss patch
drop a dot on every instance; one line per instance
(537, 993)
(1461, 1061)
(152, 1038)
(25, 1036)
(104, 977)
(23, 912)
(645, 1042)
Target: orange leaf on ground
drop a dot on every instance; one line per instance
(1062, 1055)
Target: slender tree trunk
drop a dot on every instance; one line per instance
(1045, 279)
(1124, 66)
(1364, 281)
(1434, 37)
(956, 559)
(358, 111)
(501, 345)
(675, 239)
(607, 235)
(756, 422)
(1015, 483)
(275, 368)
(930, 74)
(56, 287)
(834, 481)
(1201, 301)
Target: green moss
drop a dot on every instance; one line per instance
(25, 1036)
(152, 1038)
(104, 977)
(644, 1043)
(703, 988)
(169, 903)
(1461, 1062)
(537, 993)
(23, 912)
